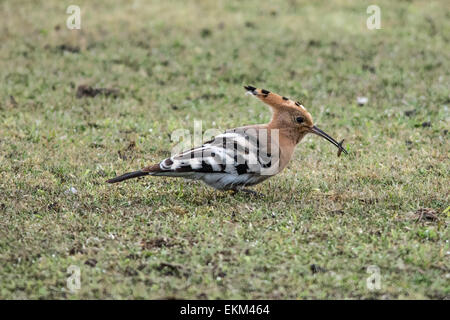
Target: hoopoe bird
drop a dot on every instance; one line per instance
(243, 156)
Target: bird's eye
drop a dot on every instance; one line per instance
(299, 119)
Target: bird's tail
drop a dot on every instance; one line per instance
(150, 170)
(127, 176)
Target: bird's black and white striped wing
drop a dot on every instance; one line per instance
(235, 152)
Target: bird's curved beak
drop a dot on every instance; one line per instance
(319, 132)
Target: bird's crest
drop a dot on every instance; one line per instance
(272, 99)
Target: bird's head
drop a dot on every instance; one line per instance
(291, 115)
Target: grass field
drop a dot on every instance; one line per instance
(173, 62)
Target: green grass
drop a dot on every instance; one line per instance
(179, 61)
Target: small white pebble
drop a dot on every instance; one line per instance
(71, 190)
(362, 100)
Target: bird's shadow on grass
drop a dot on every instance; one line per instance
(210, 196)
(195, 194)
